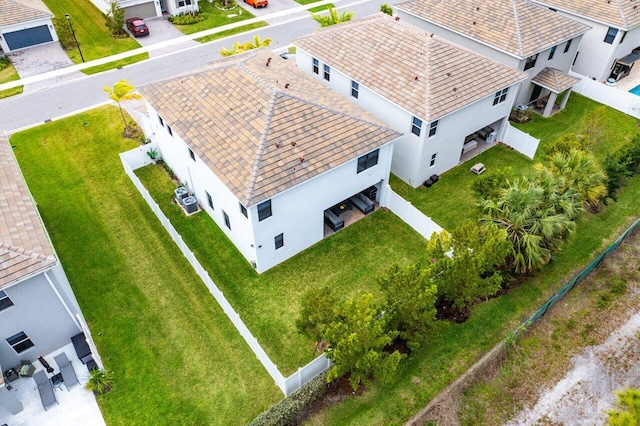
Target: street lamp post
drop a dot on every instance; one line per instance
(74, 35)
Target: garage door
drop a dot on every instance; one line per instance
(28, 37)
(144, 10)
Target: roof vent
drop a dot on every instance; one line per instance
(455, 88)
(190, 204)
(397, 18)
(474, 22)
(293, 143)
(301, 159)
(286, 86)
(478, 8)
(268, 61)
(448, 74)
(416, 78)
(277, 145)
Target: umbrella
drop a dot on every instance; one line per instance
(45, 364)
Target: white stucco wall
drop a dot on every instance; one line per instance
(412, 154)
(23, 26)
(298, 212)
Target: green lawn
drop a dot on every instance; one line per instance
(227, 33)
(303, 2)
(6, 75)
(268, 303)
(176, 357)
(90, 29)
(214, 17)
(321, 8)
(116, 64)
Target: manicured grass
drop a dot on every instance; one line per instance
(303, 2)
(234, 31)
(176, 357)
(321, 8)
(11, 92)
(90, 29)
(6, 75)
(268, 303)
(116, 64)
(214, 17)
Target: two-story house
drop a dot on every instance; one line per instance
(447, 100)
(517, 33)
(612, 45)
(269, 152)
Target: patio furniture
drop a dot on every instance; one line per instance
(82, 348)
(45, 389)
(57, 381)
(11, 375)
(363, 204)
(25, 369)
(66, 370)
(334, 222)
(478, 168)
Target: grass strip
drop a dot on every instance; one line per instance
(116, 64)
(231, 32)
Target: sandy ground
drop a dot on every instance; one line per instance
(585, 394)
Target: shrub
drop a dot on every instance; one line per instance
(100, 381)
(488, 185)
(622, 164)
(385, 8)
(114, 20)
(566, 143)
(186, 19)
(65, 37)
(4, 62)
(284, 412)
(520, 116)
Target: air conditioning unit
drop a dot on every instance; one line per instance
(181, 193)
(190, 204)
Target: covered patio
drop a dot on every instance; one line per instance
(75, 405)
(549, 83)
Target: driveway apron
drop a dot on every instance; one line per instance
(160, 29)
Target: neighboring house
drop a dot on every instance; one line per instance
(267, 150)
(38, 310)
(24, 25)
(156, 8)
(520, 34)
(446, 99)
(612, 45)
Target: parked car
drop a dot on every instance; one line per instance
(137, 27)
(257, 3)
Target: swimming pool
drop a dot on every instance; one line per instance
(635, 90)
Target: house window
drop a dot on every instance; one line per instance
(552, 52)
(433, 160)
(20, 342)
(161, 121)
(433, 128)
(5, 302)
(327, 72)
(416, 126)
(169, 130)
(624, 34)
(226, 219)
(191, 154)
(575, 59)
(243, 210)
(355, 88)
(183, 3)
(209, 200)
(611, 35)
(367, 161)
(316, 66)
(279, 240)
(264, 210)
(531, 62)
(567, 46)
(500, 96)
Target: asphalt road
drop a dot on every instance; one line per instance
(52, 102)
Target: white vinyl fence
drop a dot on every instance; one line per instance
(520, 141)
(286, 385)
(615, 98)
(423, 224)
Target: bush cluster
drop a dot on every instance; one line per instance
(186, 19)
(621, 165)
(4, 62)
(284, 412)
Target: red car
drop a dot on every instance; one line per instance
(137, 27)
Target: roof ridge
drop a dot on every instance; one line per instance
(32, 254)
(430, 66)
(516, 20)
(621, 13)
(257, 162)
(555, 77)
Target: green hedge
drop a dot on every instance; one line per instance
(284, 412)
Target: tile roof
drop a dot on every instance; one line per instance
(14, 12)
(623, 14)
(24, 244)
(554, 80)
(262, 125)
(422, 73)
(517, 27)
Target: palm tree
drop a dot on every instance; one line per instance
(530, 215)
(333, 17)
(583, 174)
(122, 91)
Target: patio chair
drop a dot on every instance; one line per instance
(66, 369)
(45, 388)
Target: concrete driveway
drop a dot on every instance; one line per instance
(273, 7)
(162, 30)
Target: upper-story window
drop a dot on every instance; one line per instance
(191, 154)
(227, 221)
(279, 241)
(368, 160)
(355, 89)
(567, 46)
(416, 126)
(611, 35)
(264, 210)
(624, 34)
(169, 130)
(552, 52)
(433, 128)
(20, 342)
(160, 120)
(433, 160)
(531, 62)
(243, 210)
(327, 72)
(316, 66)
(209, 200)
(500, 96)
(5, 302)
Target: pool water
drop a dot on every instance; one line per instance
(636, 90)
